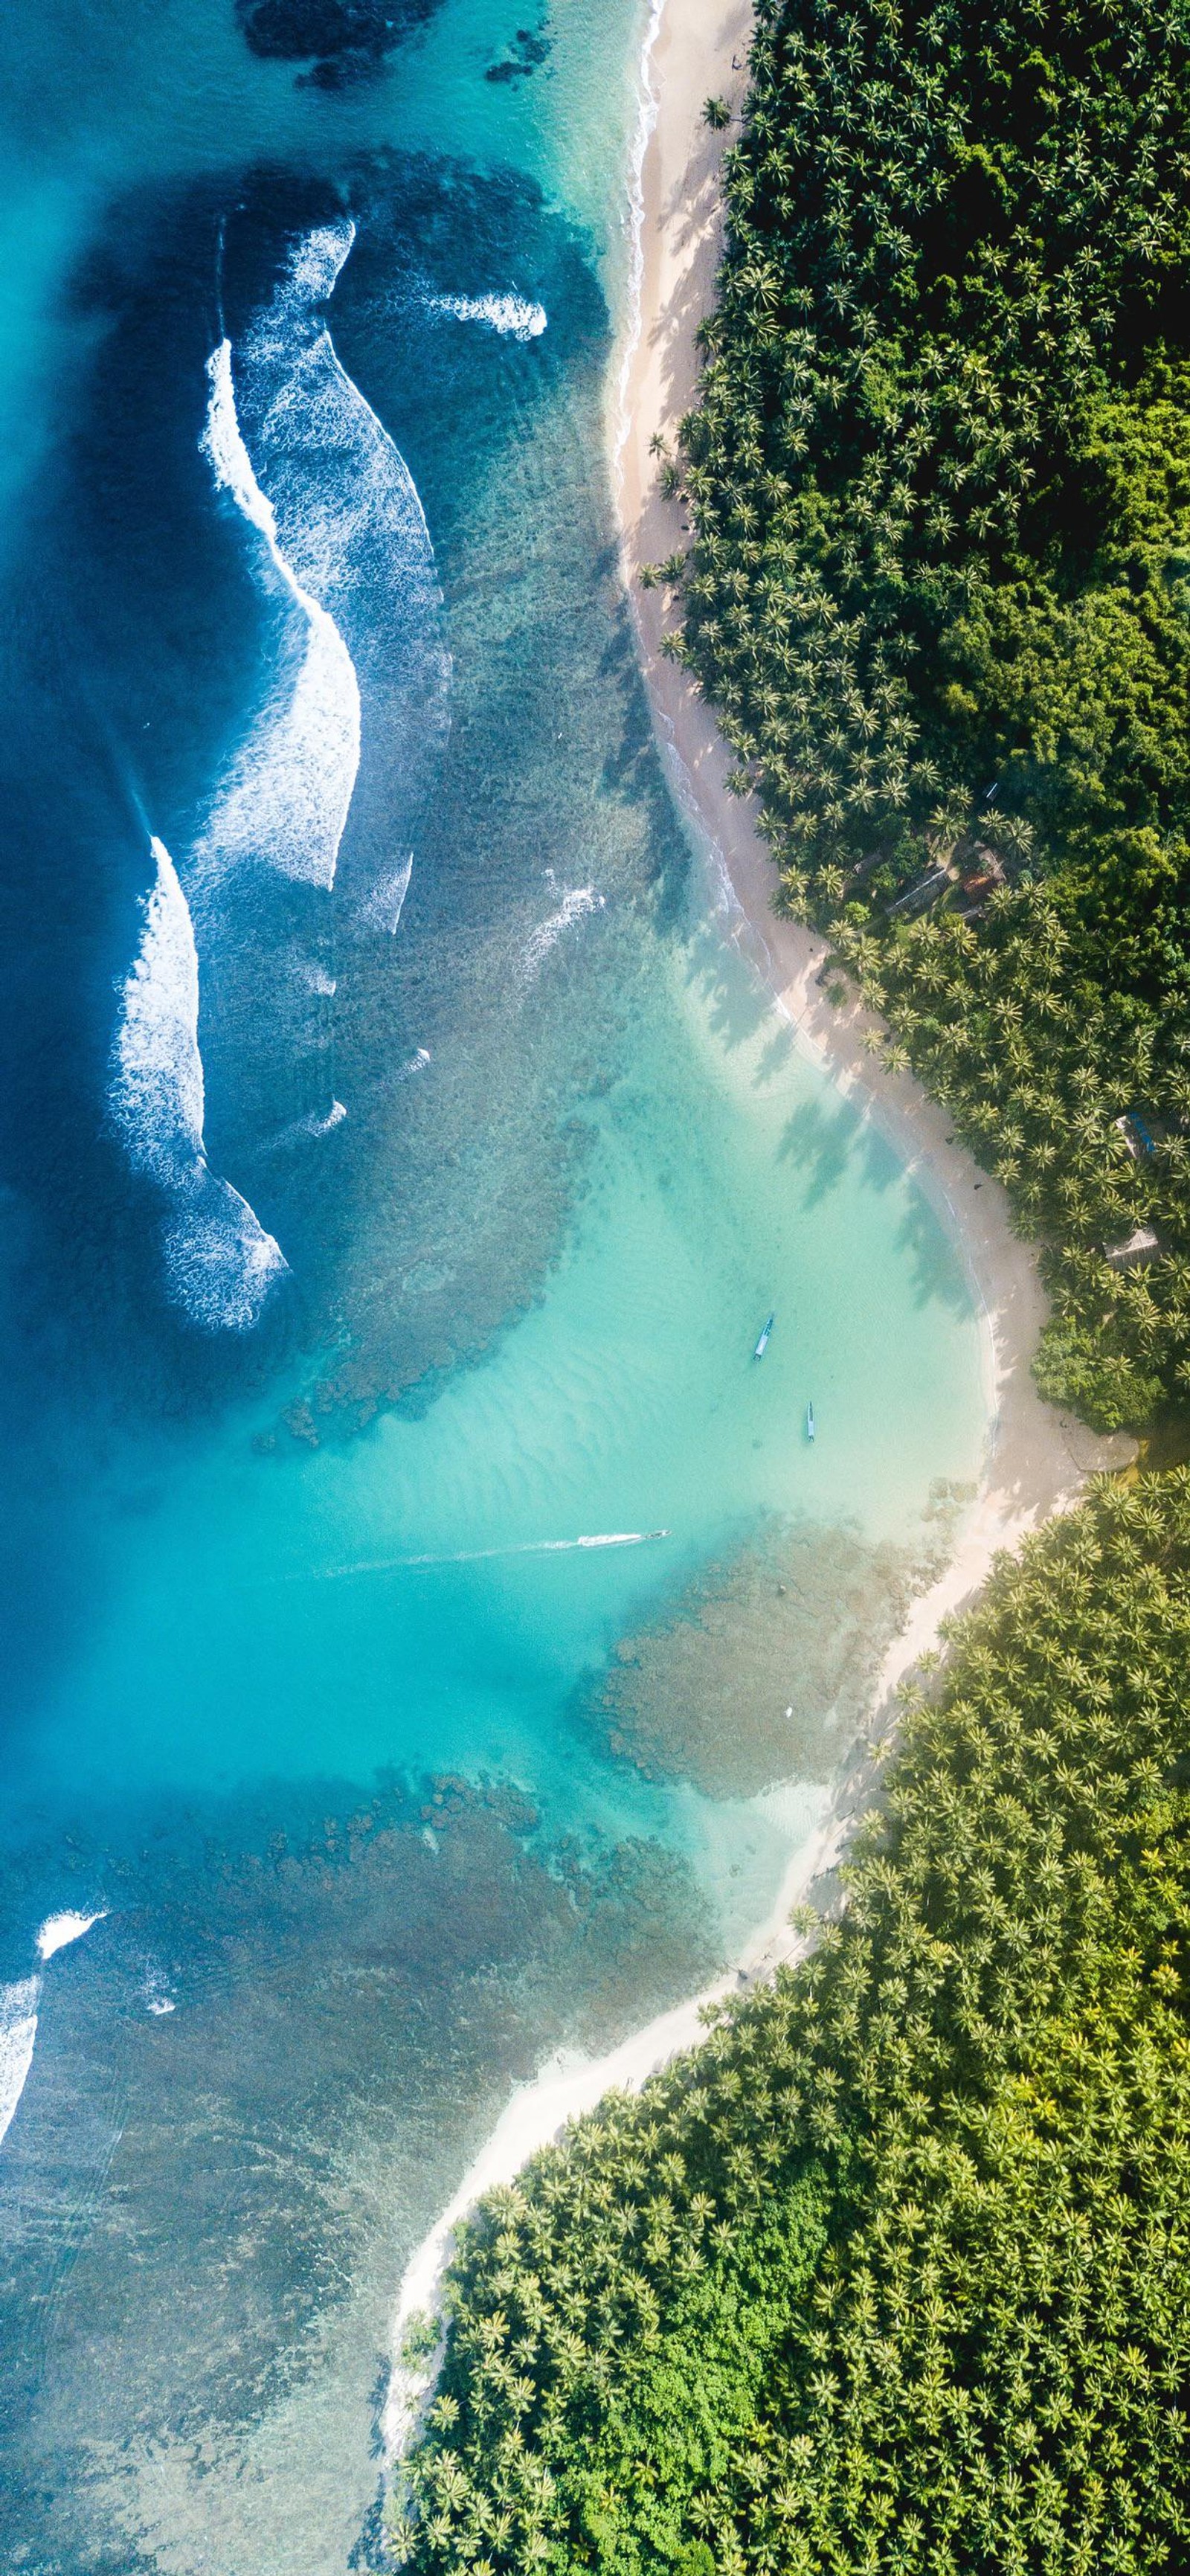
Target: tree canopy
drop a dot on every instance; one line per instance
(939, 587)
(893, 2273)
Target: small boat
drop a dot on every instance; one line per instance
(763, 1343)
(617, 1538)
(809, 1422)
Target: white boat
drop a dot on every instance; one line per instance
(809, 1422)
(763, 1343)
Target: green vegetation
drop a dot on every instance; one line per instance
(940, 588)
(893, 2274)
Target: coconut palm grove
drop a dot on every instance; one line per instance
(893, 2274)
(940, 593)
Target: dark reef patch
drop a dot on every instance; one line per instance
(530, 48)
(340, 40)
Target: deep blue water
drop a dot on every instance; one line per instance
(396, 1164)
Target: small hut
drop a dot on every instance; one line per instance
(1142, 1245)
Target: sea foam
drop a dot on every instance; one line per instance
(308, 1130)
(220, 1263)
(577, 901)
(158, 1090)
(18, 2035)
(313, 470)
(383, 907)
(18, 2008)
(59, 1930)
(510, 315)
(339, 547)
(288, 797)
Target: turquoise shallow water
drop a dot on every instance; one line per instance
(417, 1595)
(385, 1786)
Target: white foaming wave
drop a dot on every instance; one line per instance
(309, 278)
(18, 2036)
(366, 511)
(321, 1121)
(510, 315)
(347, 516)
(289, 794)
(157, 1095)
(579, 900)
(383, 907)
(308, 414)
(287, 801)
(223, 445)
(220, 1263)
(318, 1123)
(59, 1930)
(317, 264)
(405, 1072)
(340, 516)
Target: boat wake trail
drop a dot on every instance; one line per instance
(482, 1555)
(220, 1263)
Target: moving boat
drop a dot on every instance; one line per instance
(763, 1343)
(809, 1422)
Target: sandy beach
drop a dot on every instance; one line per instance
(1036, 1460)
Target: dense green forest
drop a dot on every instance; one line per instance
(893, 2274)
(939, 590)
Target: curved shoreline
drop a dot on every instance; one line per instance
(1036, 1460)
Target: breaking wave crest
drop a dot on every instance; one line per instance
(287, 800)
(577, 901)
(18, 2035)
(311, 1129)
(383, 907)
(510, 315)
(220, 1263)
(314, 471)
(157, 1095)
(19, 2006)
(59, 1930)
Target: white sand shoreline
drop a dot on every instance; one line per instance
(1036, 1460)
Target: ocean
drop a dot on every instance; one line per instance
(428, 1633)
